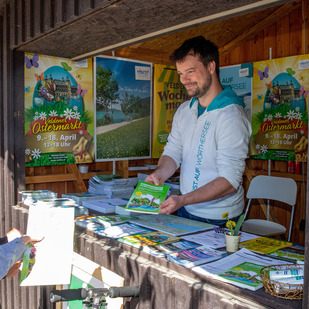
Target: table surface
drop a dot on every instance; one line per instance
(159, 276)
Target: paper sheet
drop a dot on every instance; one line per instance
(51, 262)
(215, 240)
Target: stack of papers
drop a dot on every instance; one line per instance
(31, 197)
(85, 196)
(119, 187)
(103, 205)
(239, 262)
(64, 203)
(215, 240)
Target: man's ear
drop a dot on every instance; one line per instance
(212, 67)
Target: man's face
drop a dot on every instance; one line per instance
(194, 76)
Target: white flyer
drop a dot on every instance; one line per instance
(49, 262)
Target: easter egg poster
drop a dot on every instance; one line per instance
(280, 109)
(59, 121)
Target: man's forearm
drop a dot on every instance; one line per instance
(166, 167)
(215, 189)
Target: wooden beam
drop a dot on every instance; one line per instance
(50, 178)
(266, 22)
(79, 182)
(72, 175)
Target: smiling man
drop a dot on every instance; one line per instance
(208, 141)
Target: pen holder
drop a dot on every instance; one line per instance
(232, 243)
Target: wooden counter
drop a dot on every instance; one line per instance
(167, 285)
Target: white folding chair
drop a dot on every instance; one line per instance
(270, 188)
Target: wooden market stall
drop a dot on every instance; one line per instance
(245, 31)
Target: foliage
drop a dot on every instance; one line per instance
(106, 89)
(131, 140)
(131, 104)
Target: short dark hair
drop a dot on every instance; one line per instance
(198, 45)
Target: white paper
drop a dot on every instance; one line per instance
(215, 240)
(241, 256)
(53, 259)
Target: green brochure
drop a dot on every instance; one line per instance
(147, 197)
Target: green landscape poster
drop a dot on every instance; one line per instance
(123, 100)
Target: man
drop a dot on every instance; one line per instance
(209, 140)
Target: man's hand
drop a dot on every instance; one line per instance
(155, 178)
(166, 168)
(171, 204)
(13, 270)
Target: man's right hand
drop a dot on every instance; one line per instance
(155, 178)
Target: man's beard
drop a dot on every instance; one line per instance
(199, 92)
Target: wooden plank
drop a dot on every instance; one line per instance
(282, 38)
(85, 6)
(37, 17)
(269, 20)
(28, 22)
(305, 31)
(58, 186)
(19, 22)
(78, 182)
(122, 168)
(41, 179)
(69, 10)
(58, 13)
(269, 41)
(18, 124)
(257, 48)
(48, 16)
(235, 55)
(295, 32)
(13, 30)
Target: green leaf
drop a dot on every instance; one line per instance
(239, 223)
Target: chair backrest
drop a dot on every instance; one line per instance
(273, 188)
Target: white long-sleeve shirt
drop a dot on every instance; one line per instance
(210, 146)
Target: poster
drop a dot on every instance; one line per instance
(239, 78)
(169, 93)
(123, 100)
(59, 124)
(279, 109)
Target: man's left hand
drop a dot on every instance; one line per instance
(171, 204)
